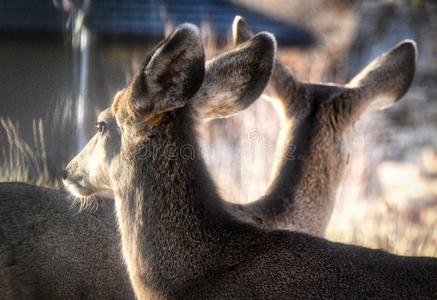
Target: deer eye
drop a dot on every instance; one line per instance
(101, 126)
(152, 134)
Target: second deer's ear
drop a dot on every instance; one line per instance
(240, 31)
(386, 79)
(235, 79)
(172, 74)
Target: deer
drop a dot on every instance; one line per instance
(177, 237)
(49, 250)
(302, 192)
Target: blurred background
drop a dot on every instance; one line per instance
(62, 61)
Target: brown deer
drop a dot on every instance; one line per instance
(302, 192)
(49, 250)
(177, 238)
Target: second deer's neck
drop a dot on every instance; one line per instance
(307, 174)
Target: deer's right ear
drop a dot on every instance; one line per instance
(386, 79)
(172, 74)
(235, 79)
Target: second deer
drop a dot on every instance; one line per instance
(302, 192)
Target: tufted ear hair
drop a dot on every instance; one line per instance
(236, 78)
(172, 74)
(386, 79)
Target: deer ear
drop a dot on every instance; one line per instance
(387, 78)
(172, 74)
(240, 31)
(235, 79)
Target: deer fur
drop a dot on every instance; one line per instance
(178, 239)
(48, 250)
(315, 117)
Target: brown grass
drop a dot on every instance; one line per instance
(21, 161)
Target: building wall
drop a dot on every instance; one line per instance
(38, 81)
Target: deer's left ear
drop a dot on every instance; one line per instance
(386, 79)
(172, 74)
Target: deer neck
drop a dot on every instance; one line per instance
(282, 85)
(163, 208)
(307, 172)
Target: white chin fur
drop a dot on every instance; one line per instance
(78, 190)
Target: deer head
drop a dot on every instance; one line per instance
(172, 77)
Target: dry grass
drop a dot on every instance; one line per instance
(385, 227)
(21, 161)
(385, 203)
